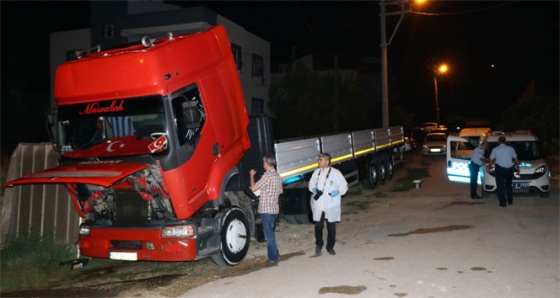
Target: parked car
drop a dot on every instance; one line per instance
(435, 144)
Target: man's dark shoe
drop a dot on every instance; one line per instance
(476, 197)
(318, 251)
(332, 252)
(503, 205)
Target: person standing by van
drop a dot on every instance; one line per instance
(506, 161)
(477, 160)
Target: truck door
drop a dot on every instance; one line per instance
(459, 152)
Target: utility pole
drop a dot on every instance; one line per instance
(384, 74)
(384, 79)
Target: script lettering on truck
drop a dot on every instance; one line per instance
(95, 108)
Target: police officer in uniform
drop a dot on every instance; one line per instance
(477, 161)
(505, 159)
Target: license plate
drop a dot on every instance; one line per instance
(125, 256)
(435, 150)
(520, 185)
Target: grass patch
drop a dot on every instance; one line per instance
(405, 183)
(32, 262)
(362, 205)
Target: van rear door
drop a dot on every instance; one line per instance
(459, 152)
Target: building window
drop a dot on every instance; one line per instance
(258, 68)
(109, 31)
(236, 50)
(257, 106)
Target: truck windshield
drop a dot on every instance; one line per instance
(119, 127)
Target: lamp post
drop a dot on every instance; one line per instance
(440, 70)
(384, 76)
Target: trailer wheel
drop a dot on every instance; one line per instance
(390, 166)
(234, 238)
(382, 171)
(372, 178)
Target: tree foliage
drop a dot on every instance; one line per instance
(308, 103)
(538, 113)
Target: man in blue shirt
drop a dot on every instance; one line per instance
(505, 159)
(477, 161)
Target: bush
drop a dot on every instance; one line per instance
(32, 262)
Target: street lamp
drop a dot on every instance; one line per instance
(384, 76)
(442, 69)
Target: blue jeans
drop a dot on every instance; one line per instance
(268, 222)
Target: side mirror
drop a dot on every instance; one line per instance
(52, 131)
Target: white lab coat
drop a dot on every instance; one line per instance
(326, 203)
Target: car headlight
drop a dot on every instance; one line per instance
(178, 231)
(540, 170)
(491, 170)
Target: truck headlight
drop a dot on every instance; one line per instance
(85, 229)
(178, 231)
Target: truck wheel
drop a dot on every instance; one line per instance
(382, 171)
(390, 166)
(372, 179)
(234, 238)
(241, 199)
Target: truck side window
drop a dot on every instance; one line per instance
(189, 117)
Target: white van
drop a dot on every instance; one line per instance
(534, 176)
(473, 136)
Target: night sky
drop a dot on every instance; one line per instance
(520, 38)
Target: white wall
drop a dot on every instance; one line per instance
(250, 44)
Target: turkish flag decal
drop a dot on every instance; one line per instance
(158, 145)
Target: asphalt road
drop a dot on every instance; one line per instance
(429, 242)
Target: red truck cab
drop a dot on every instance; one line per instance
(150, 137)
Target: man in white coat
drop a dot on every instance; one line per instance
(327, 185)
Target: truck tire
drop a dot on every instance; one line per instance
(372, 176)
(234, 238)
(390, 166)
(242, 200)
(382, 171)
